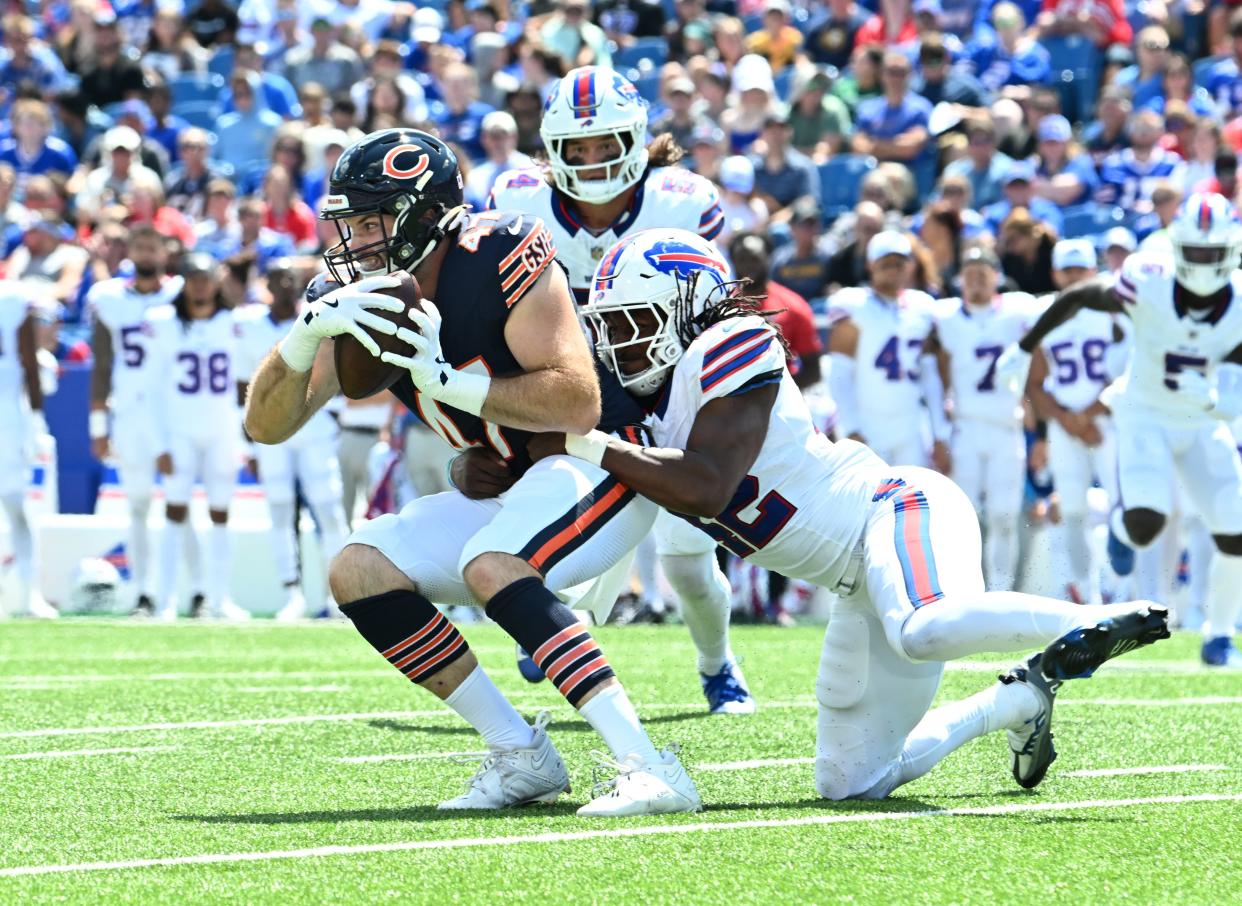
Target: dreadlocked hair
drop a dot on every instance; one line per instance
(732, 302)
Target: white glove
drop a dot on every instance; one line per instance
(433, 375)
(344, 310)
(1012, 368)
(1194, 387)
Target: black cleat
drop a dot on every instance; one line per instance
(144, 607)
(1033, 751)
(198, 606)
(1077, 654)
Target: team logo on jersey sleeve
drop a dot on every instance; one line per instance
(681, 260)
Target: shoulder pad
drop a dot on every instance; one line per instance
(518, 245)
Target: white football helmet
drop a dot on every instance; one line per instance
(671, 275)
(591, 101)
(1207, 240)
(96, 587)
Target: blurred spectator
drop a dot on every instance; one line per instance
(848, 266)
(109, 72)
(315, 183)
(1019, 192)
(862, 80)
(1205, 145)
(1177, 84)
(938, 82)
(80, 123)
(186, 185)
(802, 265)
(1223, 79)
(820, 121)
(743, 212)
(1107, 134)
(571, 35)
(541, 68)
(499, 135)
(692, 17)
(1126, 176)
(1103, 22)
(729, 38)
(1179, 125)
(277, 94)
(245, 135)
(1142, 79)
(1118, 244)
(12, 214)
(145, 202)
(459, 117)
(893, 126)
(386, 67)
(325, 60)
(942, 234)
(1166, 198)
(1063, 175)
(681, 118)
(901, 188)
(170, 48)
(751, 255)
(756, 98)
(1022, 141)
(1224, 180)
(110, 182)
(832, 41)
(133, 115)
(490, 56)
(218, 228)
(255, 240)
(162, 125)
(777, 40)
(1004, 55)
(983, 166)
(287, 152)
(32, 149)
(370, 16)
(48, 255)
(782, 173)
(285, 212)
(893, 25)
(27, 60)
(706, 150)
(713, 85)
(1025, 249)
(955, 192)
(213, 22)
(526, 107)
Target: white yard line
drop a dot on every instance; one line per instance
(424, 756)
(84, 753)
(1154, 769)
(650, 830)
(753, 763)
(216, 724)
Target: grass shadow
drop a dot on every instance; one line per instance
(411, 813)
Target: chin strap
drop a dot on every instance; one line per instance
(451, 220)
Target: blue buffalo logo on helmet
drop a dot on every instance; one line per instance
(682, 260)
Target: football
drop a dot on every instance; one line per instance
(362, 374)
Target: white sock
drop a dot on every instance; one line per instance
(1001, 706)
(220, 563)
(1002, 553)
(284, 541)
(1151, 579)
(1224, 584)
(331, 520)
(22, 542)
(992, 621)
(485, 708)
(704, 594)
(614, 719)
(170, 554)
(1078, 551)
(140, 544)
(193, 560)
(1201, 549)
(645, 561)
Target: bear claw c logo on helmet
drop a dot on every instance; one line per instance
(421, 162)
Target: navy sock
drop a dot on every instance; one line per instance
(407, 629)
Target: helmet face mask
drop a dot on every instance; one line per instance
(1207, 241)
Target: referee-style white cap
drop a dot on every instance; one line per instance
(888, 242)
(1073, 253)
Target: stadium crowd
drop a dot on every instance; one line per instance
(1006, 125)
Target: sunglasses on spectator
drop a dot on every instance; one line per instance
(1154, 45)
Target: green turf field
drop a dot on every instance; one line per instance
(237, 758)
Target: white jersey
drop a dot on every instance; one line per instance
(257, 334)
(119, 307)
(666, 197)
(803, 508)
(196, 364)
(1078, 359)
(974, 339)
(887, 359)
(15, 300)
(1169, 339)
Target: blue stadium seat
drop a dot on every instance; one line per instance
(1075, 62)
(1090, 220)
(221, 62)
(653, 50)
(648, 87)
(840, 180)
(191, 87)
(199, 113)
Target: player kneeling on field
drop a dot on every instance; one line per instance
(736, 453)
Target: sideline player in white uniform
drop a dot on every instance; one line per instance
(601, 185)
(736, 451)
(194, 354)
(308, 458)
(1182, 388)
(1069, 371)
(879, 373)
(23, 426)
(120, 383)
(989, 446)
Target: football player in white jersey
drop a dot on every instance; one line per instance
(736, 452)
(194, 353)
(1183, 386)
(23, 425)
(308, 458)
(989, 447)
(879, 376)
(1068, 373)
(601, 184)
(119, 382)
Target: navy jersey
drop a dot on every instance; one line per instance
(497, 257)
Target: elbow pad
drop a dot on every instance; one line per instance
(841, 386)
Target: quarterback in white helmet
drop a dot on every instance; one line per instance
(1179, 393)
(735, 452)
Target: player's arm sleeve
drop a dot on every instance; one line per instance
(740, 361)
(933, 396)
(843, 392)
(524, 260)
(711, 219)
(1098, 293)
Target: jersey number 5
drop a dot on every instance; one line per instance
(1175, 363)
(742, 536)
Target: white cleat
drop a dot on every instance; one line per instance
(229, 612)
(517, 777)
(294, 609)
(39, 609)
(642, 788)
(166, 613)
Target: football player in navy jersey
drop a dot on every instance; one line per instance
(502, 355)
